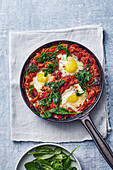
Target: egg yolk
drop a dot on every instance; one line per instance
(41, 78)
(73, 99)
(71, 66)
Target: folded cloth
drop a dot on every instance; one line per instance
(25, 125)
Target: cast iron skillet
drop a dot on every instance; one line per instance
(84, 116)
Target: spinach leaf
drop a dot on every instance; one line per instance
(55, 86)
(59, 110)
(44, 57)
(57, 166)
(43, 155)
(48, 159)
(32, 166)
(79, 94)
(47, 56)
(67, 163)
(57, 150)
(43, 152)
(49, 97)
(60, 47)
(72, 168)
(52, 66)
(48, 114)
(44, 149)
(30, 89)
(54, 96)
(51, 47)
(41, 161)
(44, 164)
(62, 111)
(25, 74)
(83, 77)
(46, 167)
(42, 102)
(48, 70)
(32, 68)
(61, 156)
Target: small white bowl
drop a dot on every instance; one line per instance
(27, 158)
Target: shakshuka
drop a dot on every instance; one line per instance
(61, 81)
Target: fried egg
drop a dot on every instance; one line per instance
(39, 80)
(70, 99)
(69, 66)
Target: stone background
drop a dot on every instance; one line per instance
(18, 15)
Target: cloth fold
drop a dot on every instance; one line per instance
(25, 125)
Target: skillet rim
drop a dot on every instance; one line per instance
(85, 112)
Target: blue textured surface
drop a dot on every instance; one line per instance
(21, 15)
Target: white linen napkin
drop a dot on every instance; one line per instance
(25, 125)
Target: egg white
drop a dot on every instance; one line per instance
(39, 85)
(63, 62)
(69, 92)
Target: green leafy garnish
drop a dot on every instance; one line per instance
(51, 56)
(79, 94)
(72, 168)
(47, 158)
(31, 69)
(48, 70)
(33, 166)
(83, 77)
(62, 111)
(30, 89)
(43, 103)
(54, 96)
(46, 55)
(55, 86)
(60, 47)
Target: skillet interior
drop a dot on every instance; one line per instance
(85, 112)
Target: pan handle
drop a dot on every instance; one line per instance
(99, 141)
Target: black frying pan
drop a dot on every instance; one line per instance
(84, 116)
